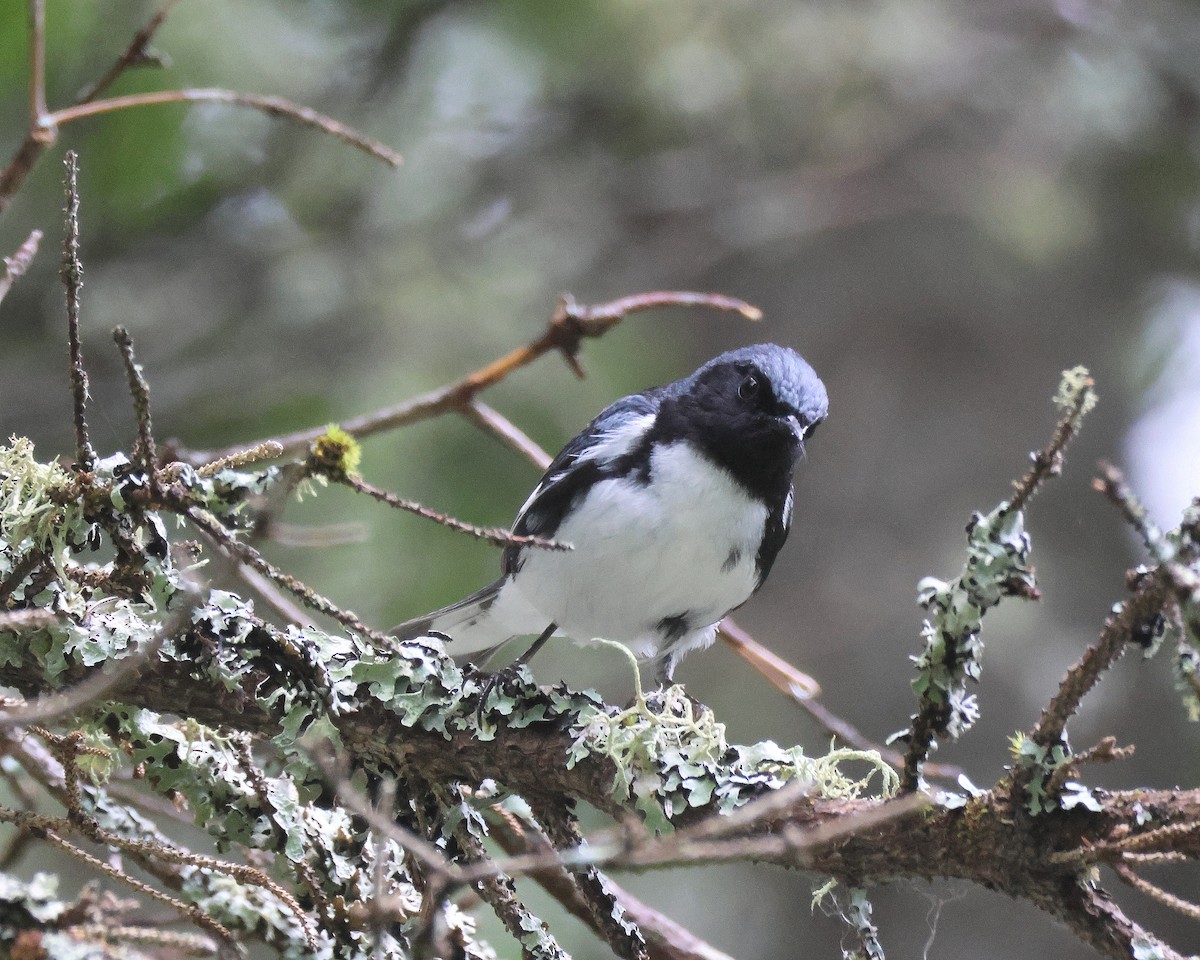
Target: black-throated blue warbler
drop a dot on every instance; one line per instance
(675, 502)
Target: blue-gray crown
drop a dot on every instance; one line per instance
(793, 380)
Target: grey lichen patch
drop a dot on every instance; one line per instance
(1044, 765)
(997, 566)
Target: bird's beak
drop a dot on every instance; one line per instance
(793, 423)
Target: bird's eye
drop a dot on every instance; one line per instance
(811, 428)
(748, 388)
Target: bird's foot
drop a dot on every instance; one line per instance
(674, 700)
(668, 708)
(515, 674)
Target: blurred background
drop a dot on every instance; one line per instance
(940, 203)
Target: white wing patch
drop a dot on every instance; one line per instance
(787, 509)
(618, 441)
(610, 445)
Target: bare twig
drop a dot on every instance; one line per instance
(21, 621)
(1170, 900)
(496, 536)
(275, 598)
(212, 528)
(139, 390)
(1047, 462)
(781, 674)
(495, 423)
(44, 125)
(787, 679)
(135, 55)
(267, 450)
(16, 265)
(272, 106)
(1113, 485)
(608, 918)
(72, 274)
(1130, 620)
(569, 325)
(37, 61)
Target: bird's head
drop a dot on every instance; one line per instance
(751, 410)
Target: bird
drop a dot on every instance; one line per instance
(675, 502)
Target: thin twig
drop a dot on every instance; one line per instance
(16, 265)
(496, 536)
(175, 942)
(621, 934)
(43, 129)
(272, 106)
(67, 748)
(211, 527)
(432, 859)
(1154, 892)
(22, 621)
(40, 826)
(1113, 485)
(1106, 751)
(139, 390)
(569, 325)
(1047, 462)
(134, 55)
(804, 690)
(275, 598)
(37, 62)
(665, 939)
(497, 425)
(1131, 620)
(72, 275)
(498, 891)
(787, 679)
(267, 450)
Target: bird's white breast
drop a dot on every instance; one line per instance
(684, 544)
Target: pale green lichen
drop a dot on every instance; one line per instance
(1042, 763)
(997, 565)
(36, 514)
(1076, 391)
(677, 757)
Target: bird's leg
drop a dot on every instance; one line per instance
(664, 671)
(511, 670)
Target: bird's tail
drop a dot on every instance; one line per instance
(466, 625)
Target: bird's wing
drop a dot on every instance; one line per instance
(779, 522)
(449, 620)
(612, 444)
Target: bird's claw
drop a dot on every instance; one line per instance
(501, 678)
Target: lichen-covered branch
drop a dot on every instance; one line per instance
(997, 566)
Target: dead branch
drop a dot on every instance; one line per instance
(16, 265)
(569, 325)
